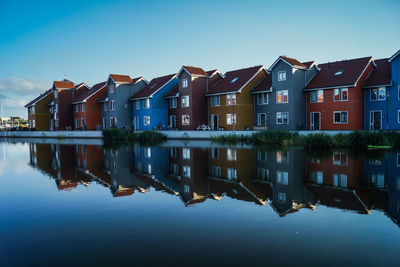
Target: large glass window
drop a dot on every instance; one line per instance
(282, 177)
(262, 99)
(378, 94)
(231, 99)
(185, 83)
(341, 94)
(262, 119)
(146, 120)
(146, 103)
(231, 174)
(172, 102)
(282, 75)
(282, 96)
(340, 116)
(230, 119)
(186, 171)
(231, 154)
(185, 101)
(282, 117)
(186, 153)
(317, 96)
(215, 100)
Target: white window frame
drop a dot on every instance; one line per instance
(261, 99)
(215, 103)
(340, 90)
(186, 188)
(112, 105)
(377, 93)
(186, 172)
(231, 174)
(170, 120)
(188, 116)
(281, 113)
(115, 121)
(259, 123)
(231, 99)
(185, 83)
(340, 112)
(282, 177)
(231, 119)
(185, 101)
(146, 120)
(316, 98)
(146, 103)
(281, 75)
(282, 93)
(231, 154)
(371, 124)
(185, 153)
(172, 102)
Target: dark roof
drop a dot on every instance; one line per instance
(294, 62)
(381, 74)
(173, 92)
(264, 85)
(351, 71)
(64, 84)
(195, 71)
(154, 85)
(88, 93)
(135, 80)
(46, 93)
(121, 78)
(308, 64)
(211, 72)
(234, 80)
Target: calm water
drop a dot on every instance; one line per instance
(180, 205)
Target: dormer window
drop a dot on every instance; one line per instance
(338, 73)
(234, 80)
(185, 83)
(282, 75)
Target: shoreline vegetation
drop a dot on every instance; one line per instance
(112, 137)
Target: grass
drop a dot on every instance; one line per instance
(114, 136)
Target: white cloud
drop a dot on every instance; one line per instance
(20, 86)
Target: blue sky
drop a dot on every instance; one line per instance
(42, 41)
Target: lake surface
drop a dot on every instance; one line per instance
(68, 205)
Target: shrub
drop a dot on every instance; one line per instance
(318, 141)
(230, 139)
(275, 137)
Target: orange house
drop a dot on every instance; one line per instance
(230, 103)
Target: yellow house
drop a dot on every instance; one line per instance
(39, 113)
(230, 103)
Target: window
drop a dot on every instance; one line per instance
(216, 171)
(234, 79)
(231, 174)
(230, 119)
(147, 152)
(262, 99)
(56, 108)
(317, 177)
(215, 100)
(282, 75)
(82, 122)
(185, 101)
(282, 177)
(215, 153)
(377, 180)
(186, 171)
(341, 94)
(282, 118)
(172, 102)
(172, 152)
(105, 106)
(262, 174)
(112, 105)
(146, 103)
(261, 119)
(340, 180)
(56, 123)
(113, 121)
(282, 96)
(149, 168)
(76, 123)
(76, 108)
(338, 73)
(55, 94)
(186, 188)
(186, 153)
(317, 96)
(174, 169)
(340, 116)
(262, 155)
(281, 197)
(184, 83)
(282, 156)
(111, 89)
(231, 99)
(231, 154)
(83, 107)
(146, 120)
(137, 104)
(340, 158)
(185, 120)
(378, 94)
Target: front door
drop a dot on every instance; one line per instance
(376, 120)
(315, 124)
(214, 121)
(136, 123)
(172, 121)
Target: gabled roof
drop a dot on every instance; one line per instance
(348, 72)
(64, 84)
(138, 79)
(294, 63)
(117, 78)
(394, 56)
(154, 86)
(211, 73)
(40, 97)
(173, 93)
(380, 75)
(309, 64)
(194, 71)
(235, 80)
(83, 97)
(265, 85)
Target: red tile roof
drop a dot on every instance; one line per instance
(64, 84)
(173, 92)
(234, 80)
(121, 78)
(154, 85)
(89, 93)
(294, 62)
(264, 85)
(46, 93)
(381, 74)
(352, 70)
(195, 71)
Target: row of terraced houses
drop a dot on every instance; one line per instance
(361, 93)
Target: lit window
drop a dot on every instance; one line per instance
(172, 102)
(146, 103)
(215, 100)
(262, 99)
(282, 156)
(230, 119)
(186, 153)
(185, 101)
(282, 118)
(111, 89)
(186, 171)
(340, 116)
(231, 154)
(149, 168)
(340, 158)
(317, 96)
(137, 104)
(231, 99)
(282, 75)
(234, 79)
(340, 94)
(184, 83)
(262, 119)
(185, 120)
(282, 96)
(338, 73)
(146, 120)
(231, 174)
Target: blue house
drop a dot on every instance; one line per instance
(382, 95)
(149, 107)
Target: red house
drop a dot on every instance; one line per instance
(65, 92)
(335, 95)
(86, 108)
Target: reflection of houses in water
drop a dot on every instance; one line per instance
(337, 182)
(382, 182)
(283, 172)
